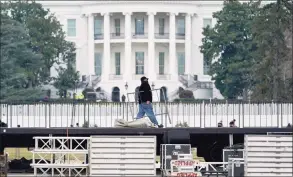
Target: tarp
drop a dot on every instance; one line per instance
(138, 123)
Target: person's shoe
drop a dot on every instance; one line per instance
(160, 126)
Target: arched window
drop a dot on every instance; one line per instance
(163, 94)
(116, 94)
(136, 94)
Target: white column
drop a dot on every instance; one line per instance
(106, 55)
(127, 58)
(151, 46)
(188, 44)
(197, 25)
(172, 48)
(91, 45)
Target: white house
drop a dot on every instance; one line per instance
(118, 42)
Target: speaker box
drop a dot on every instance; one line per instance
(177, 137)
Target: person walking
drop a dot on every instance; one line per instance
(145, 99)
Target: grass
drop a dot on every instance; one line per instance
(17, 153)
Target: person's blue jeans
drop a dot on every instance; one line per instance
(147, 109)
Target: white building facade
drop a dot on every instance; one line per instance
(118, 42)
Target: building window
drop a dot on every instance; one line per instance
(161, 62)
(117, 27)
(139, 26)
(181, 27)
(206, 66)
(181, 63)
(161, 26)
(207, 22)
(98, 64)
(139, 62)
(117, 63)
(98, 27)
(71, 27)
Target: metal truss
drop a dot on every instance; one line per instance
(60, 156)
(212, 166)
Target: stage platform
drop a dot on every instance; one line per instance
(134, 131)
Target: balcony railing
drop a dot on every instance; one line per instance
(98, 36)
(180, 36)
(117, 35)
(204, 85)
(163, 76)
(115, 77)
(139, 35)
(162, 35)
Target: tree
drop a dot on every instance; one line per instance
(42, 44)
(45, 32)
(272, 32)
(67, 79)
(228, 46)
(17, 60)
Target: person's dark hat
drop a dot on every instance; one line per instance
(143, 78)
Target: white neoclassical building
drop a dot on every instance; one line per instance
(118, 42)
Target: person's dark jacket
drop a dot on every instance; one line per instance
(145, 93)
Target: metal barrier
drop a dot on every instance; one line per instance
(201, 115)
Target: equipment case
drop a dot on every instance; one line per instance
(232, 153)
(236, 167)
(170, 152)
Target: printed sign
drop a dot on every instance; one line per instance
(190, 174)
(185, 163)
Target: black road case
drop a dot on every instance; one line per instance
(170, 152)
(236, 167)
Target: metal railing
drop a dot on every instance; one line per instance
(99, 36)
(163, 76)
(180, 36)
(183, 78)
(117, 36)
(162, 35)
(139, 35)
(201, 115)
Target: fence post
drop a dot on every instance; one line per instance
(123, 110)
(227, 106)
(46, 118)
(204, 114)
(243, 115)
(10, 115)
(49, 115)
(281, 104)
(88, 114)
(84, 112)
